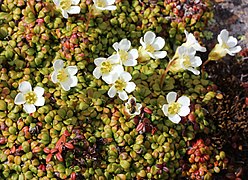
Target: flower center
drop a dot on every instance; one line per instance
(106, 67)
(120, 85)
(65, 4)
(101, 3)
(123, 55)
(225, 46)
(174, 108)
(62, 75)
(186, 62)
(150, 48)
(30, 97)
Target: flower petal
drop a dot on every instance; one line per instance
(72, 70)
(195, 71)
(181, 50)
(130, 87)
(19, 99)
(149, 37)
(117, 69)
(130, 62)
(114, 59)
(112, 91)
(25, 87)
(234, 50)
(29, 108)
(110, 2)
(196, 62)
(73, 10)
(40, 101)
(184, 111)
(39, 91)
(125, 76)
(223, 36)
(142, 42)
(58, 64)
(184, 101)
(75, 2)
(116, 46)
(122, 95)
(175, 118)
(54, 76)
(151, 55)
(124, 44)
(198, 47)
(171, 97)
(109, 78)
(74, 81)
(231, 42)
(98, 61)
(66, 85)
(158, 43)
(64, 13)
(138, 109)
(97, 72)
(159, 54)
(56, 2)
(133, 54)
(165, 109)
(111, 8)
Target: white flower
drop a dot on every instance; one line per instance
(107, 68)
(65, 76)
(192, 42)
(152, 45)
(101, 5)
(66, 7)
(132, 107)
(228, 43)
(174, 109)
(188, 60)
(29, 98)
(121, 86)
(128, 58)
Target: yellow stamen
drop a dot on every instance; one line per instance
(101, 3)
(62, 75)
(30, 97)
(65, 4)
(186, 61)
(106, 67)
(174, 108)
(150, 48)
(123, 55)
(120, 85)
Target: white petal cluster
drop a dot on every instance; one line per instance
(65, 76)
(132, 107)
(112, 71)
(127, 57)
(228, 43)
(152, 45)
(29, 98)
(108, 68)
(67, 7)
(175, 109)
(188, 60)
(192, 42)
(101, 5)
(122, 86)
(184, 58)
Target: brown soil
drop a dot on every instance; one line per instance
(231, 77)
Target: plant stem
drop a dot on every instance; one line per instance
(166, 71)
